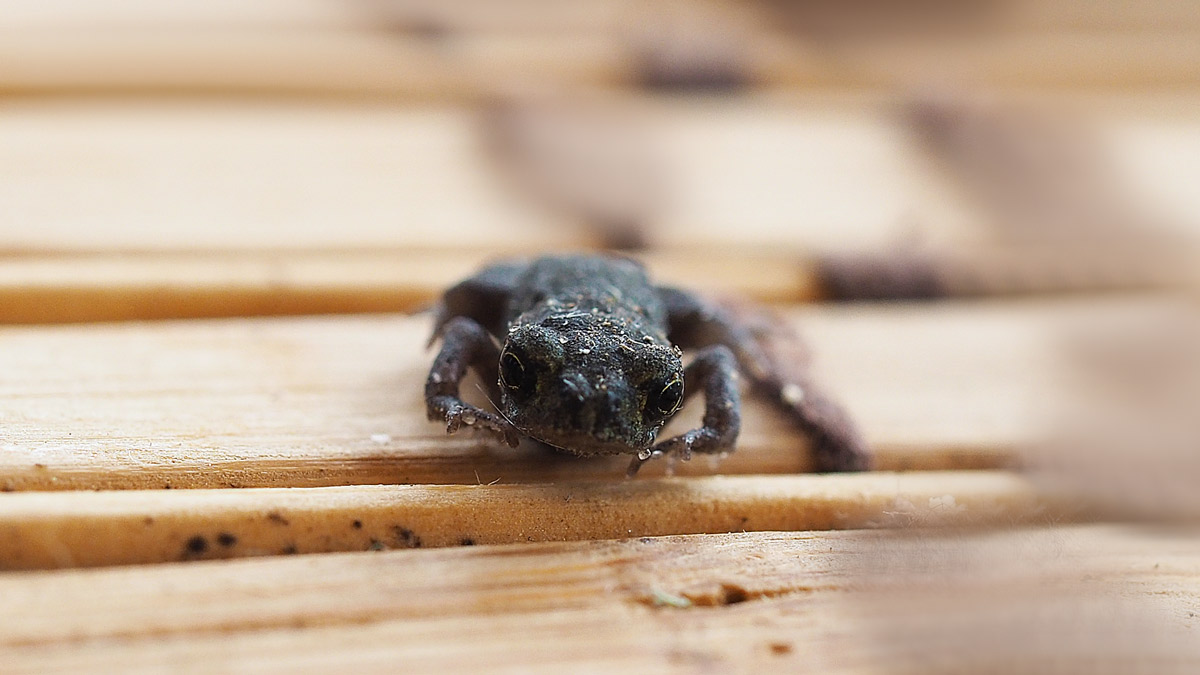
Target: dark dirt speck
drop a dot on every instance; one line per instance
(197, 545)
(732, 595)
(406, 537)
(226, 539)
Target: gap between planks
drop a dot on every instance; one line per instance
(89, 529)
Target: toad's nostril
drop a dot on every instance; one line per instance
(603, 416)
(576, 387)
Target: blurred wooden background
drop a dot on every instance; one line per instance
(190, 195)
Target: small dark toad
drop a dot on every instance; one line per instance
(590, 362)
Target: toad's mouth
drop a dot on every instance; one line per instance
(585, 445)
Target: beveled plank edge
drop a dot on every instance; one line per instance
(483, 465)
(73, 288)
(87, 529)
(64, 287)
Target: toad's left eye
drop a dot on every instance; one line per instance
(667, 400)
(514, 374)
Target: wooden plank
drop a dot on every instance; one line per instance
(276, 176)
(470, 49)
(162, 285)
(1068, 61)
(1101, 15)
(471, 66)
(315, 402)
(89, 529)
(221, 176)
(275, 15)
(265, 15)
(778, 174)
(142, 285)
(805, 602)
(306, 63)
(521, 15)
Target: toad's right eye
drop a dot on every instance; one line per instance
(513, 373)
(668, 399)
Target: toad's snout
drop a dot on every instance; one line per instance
(591, 409)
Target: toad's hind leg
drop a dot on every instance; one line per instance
(465, 344)
(786, 380)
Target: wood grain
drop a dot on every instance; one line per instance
(807, 602)
(232, 159)
(316, 402)
(87, 529)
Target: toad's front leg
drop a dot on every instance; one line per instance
(714, 370)
(465, 344)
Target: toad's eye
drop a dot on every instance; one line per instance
(667, 400)
(513, 373)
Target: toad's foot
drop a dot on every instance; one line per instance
(458, 414)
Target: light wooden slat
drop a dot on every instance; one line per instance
(329, 15)
(778, 173)
(158, 285)
(464, 49)
(312, 402)
(219, 177)
(521, 15)
(144, 285)
(801, 602)
(87, 176)
(1105, 15)
(1025, 16)
(1080, 61)
(473, 65)
(308, 63)
(268, 14)
(89, 529)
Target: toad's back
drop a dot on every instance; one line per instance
(562, 286)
